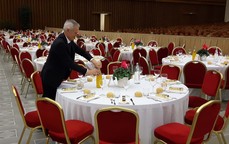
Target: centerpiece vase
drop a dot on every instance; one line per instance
(203, 58)
(122, 82)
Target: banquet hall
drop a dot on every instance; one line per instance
(31, 26)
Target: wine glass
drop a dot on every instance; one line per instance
(126, 86)
(102, 84)
(157, 73)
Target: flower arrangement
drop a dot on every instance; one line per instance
(203, 51)
(122, 71)
(44, 43)
(138, 42)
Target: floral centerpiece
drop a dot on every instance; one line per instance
(138, 42)
(203, 52)
(122, 72)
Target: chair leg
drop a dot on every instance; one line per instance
(222, 136)
(30, 135)
(23, 131)
(218, 137)
(47, 140)
(27, 90)
(23, 86)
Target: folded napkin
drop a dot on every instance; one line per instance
(70, 81)
(176, 89)
(68, 90)
(160, 97)
(171, 82)
(89, 97)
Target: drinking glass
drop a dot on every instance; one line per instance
(157, 73)
(164, 77)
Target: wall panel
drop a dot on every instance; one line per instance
(123, 13)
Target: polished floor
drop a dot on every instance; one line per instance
(10, 120)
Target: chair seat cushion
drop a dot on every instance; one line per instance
(77, 131)
(175, 133)
(103, 142)
(32, 119)
(190, 115)
(195, 101)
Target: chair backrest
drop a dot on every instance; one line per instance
(14, 53)
(45, 52)
(137, 53)
(153, 57)
(112, 65)
(74, 74)
(95, 51)
(104, 62)
(52, 118)
(194, 72)
(212, 50)
(152, 43)
(172, 71)
(101, 47)
(39, 52)
(179, 49)
(226, 84)
(204, 120)
(144, 63)
(16, 46)
(37, 82)
(109, 46)
(119, 39)
(211, 83)
(116, 125)
(19, 103)
(23, 55)
(28, 67)
(6, 45)
(171, 46)
(116, 56)
(162, 53)
(116, 44)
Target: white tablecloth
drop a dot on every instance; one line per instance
(152, 113)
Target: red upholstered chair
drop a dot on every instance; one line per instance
(172, 71)
(145, 65)
(212, 50)
(23, 55)
(119, 39)
(45, 53)
(154, 59)
(16, 46)
(101, 47)
(152, 43)
(194, 72)
(57, 128)
(116, 125)
(6, 47)
(37, 83)
(104, 62)
(220, 126)
(210, 88)
(14, 53)
(137, 53)
(116, 44)
(162, 53)
(39, 52)
(74, 74)
(171, 46)
(199, 132)
(116, 56)
(178, 49)
(30, 119)
(112, 65)
(28, 68)
(95, 51)
(80, 41)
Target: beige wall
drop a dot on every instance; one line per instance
(163, 40)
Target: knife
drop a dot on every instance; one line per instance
(81, 96)
(132, 101)
(93, 99)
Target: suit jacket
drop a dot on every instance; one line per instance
(60, 61)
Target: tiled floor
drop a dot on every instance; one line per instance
(10, 121)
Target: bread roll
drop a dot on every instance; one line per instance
(108, 76)
(138, 94)
(89, 79)
(86, 91)
(159, 90)
(110, 95)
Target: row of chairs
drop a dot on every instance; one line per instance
(125, 124)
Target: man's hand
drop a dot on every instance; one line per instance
(93, 72)
(97, 64)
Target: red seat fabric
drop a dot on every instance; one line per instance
(172, 71)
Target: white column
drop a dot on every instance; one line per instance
(226, 17)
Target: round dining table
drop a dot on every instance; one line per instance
(153, 109)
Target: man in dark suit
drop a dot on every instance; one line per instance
(60, 60)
